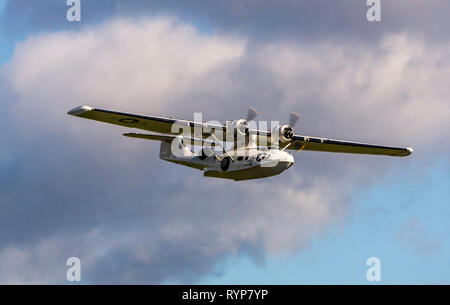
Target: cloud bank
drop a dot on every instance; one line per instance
(71, 187)
(260, 21)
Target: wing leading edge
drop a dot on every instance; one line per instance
(338, 146)
(144, 122)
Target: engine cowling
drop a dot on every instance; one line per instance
(282, 134)
(240, 127)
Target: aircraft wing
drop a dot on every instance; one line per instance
(329, 145)
(145, 122)
(163, 125)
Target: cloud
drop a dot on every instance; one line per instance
(395, 89)
(259, 20)
(72, 187)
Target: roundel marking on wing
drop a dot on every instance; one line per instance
(128, 121)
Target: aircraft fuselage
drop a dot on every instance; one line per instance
(251, 163)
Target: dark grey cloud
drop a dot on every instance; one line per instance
(259, 20)
(20, 18)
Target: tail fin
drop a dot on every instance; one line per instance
(165, 149)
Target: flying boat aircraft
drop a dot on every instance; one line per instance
(235, 150)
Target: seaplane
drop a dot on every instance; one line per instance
(237, 150)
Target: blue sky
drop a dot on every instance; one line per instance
(339, 257)
(6, 44)
(264, 56)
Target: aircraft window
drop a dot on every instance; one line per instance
(246, 158)
(240, 158)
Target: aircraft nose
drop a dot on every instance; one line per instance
(289, 158)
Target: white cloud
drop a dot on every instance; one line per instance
(394, 93)
(127, 64)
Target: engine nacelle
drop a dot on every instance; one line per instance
(238, 128)
(281, 135)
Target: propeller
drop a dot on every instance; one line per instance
(293, 118)
(251, 114)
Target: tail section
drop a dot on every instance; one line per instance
(165, 150)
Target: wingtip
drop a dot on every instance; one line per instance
(77, 111)
(130, 134)
(406, 152)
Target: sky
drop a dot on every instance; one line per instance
(70, 187)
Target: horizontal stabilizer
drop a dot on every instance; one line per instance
(169, 138)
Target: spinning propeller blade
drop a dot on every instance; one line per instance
(251, 114)
(293, 118)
